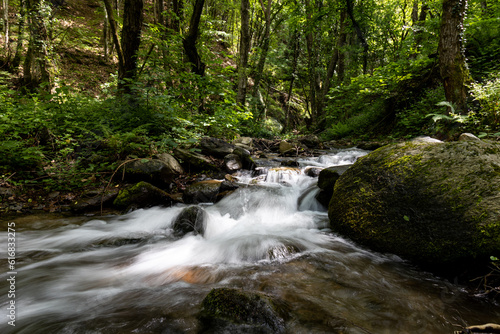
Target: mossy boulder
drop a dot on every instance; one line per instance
(435, 203)
(226, 310)
(154, 171)
(142, 195)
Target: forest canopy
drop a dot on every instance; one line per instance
(137, 77)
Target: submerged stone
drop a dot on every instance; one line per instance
(191, 219)
(227, 310)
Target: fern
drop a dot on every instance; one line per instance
(452, 117)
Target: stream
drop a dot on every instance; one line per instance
(130, 274)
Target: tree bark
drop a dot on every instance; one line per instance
(131, 41)
(16, 62)
(359, 33)
(114, 34)
(452, 65)
(189, 42)
(6, 23)
(174, 22)
(334, 60)
(311, 61)
(295, 52)
(38, 66)
(243, 54)
(265, 46)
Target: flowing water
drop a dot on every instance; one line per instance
(130, 274)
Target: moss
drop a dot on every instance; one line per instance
(142, 194)
(442, 204)
(227, 308)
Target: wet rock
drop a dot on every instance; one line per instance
(431, 202)
(369, 146)
(216, 147)
(326, 182)
(313, 171)
(191, 219)
(232, 163)
(92, 200)
(290, 162)
(310, 141)
(194, 162)
(153, 171)
(202, 192)
(245, 158)
(244, 142)
(486, 328)
(227, 310)
(328, 176)
(142, 195)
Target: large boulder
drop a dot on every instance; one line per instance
(435, 203)
(227, 310)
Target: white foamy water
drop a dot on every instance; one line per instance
(130, 274)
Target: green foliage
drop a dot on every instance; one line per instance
(369, 101)
(413, 121)
(487, 95)
(483, 47)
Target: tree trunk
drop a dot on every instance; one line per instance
(418, 22)
(6, 23)
(16, 62)
(263, 53)
(105, 35)
(189, 42)
(295, 52)
(131, 41)
(359, 33)
(334, 60)
(243, 54)
(38, 66)
(311, 62)
(114, 34)
(174, 21)
(452, 66)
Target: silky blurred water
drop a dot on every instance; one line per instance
(130, 274)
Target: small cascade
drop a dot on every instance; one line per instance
(286, 175)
